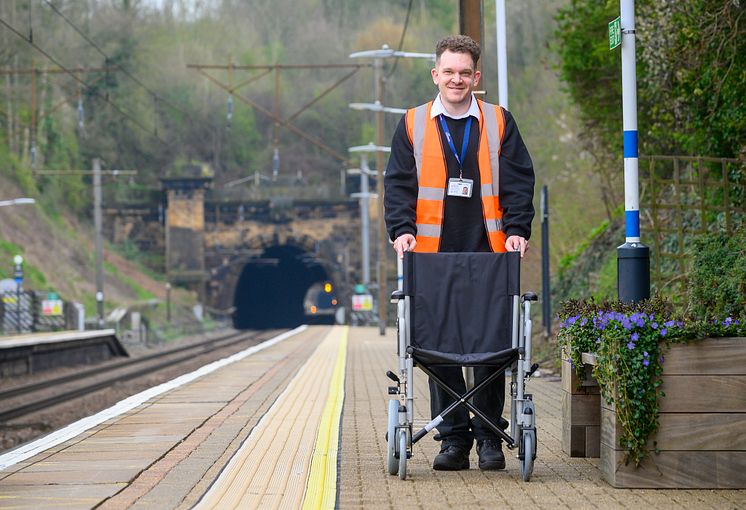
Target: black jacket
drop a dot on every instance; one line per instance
(463, 223)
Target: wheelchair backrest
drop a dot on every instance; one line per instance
(461, 302)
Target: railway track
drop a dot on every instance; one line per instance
(20, 401)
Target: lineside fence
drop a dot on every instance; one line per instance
(30, 312)
(683, 197)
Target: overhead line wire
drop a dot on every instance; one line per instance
(127, 73)
(86, 85)
(401, 39)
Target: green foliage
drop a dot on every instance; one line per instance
(589, 70)
(717, 279)
(629, 341)
(694, 54)
(568, 260)
(690, 74)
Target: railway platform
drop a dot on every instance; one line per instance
(297, 422)
(35, 352)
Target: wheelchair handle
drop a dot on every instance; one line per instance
(396, 296)
(529, 296)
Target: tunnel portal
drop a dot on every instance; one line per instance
(272, 291)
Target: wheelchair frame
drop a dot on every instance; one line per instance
(400, 437)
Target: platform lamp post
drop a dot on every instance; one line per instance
(18, 275)
(378, 56)
(633, 257)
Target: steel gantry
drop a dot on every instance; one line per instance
(276, 116)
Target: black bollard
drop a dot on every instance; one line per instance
(633, 272)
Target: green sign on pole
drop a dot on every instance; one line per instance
(615, 33)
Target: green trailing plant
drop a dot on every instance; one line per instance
(629, 342)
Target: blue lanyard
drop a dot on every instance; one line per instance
(464, 144)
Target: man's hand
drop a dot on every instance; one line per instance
(515, 243)
(405, 242)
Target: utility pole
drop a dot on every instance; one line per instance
(378, 56)
(471, 16)
(633, 257)
(97, 222)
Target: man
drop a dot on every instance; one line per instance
(460, 179)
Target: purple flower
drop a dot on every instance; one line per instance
(645, 362)
(668, 324)
(630, 345)
(626, 324)
(645, 353)
(598, 340)
(728, 321)
(660, 360)
(654, 325)
(664, 331)
(634, 337)
(572, 320)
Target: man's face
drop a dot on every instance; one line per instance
(456, 78)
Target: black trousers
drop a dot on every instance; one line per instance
(457, 427)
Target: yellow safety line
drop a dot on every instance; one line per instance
(321, 488)
(271, 468)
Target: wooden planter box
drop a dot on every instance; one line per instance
(702, 433)
(581, 412)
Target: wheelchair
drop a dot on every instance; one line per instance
(461, 309)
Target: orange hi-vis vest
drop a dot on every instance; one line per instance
(432, 174)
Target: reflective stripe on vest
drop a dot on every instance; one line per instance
(432, 174)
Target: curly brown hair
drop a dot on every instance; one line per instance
(458, 44)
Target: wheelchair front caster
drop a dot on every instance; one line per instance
(528, 453)
(403, 454)
(391, 439)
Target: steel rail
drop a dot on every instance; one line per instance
(184, 354)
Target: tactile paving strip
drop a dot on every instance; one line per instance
(273, 465)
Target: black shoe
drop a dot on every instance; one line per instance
(451, 458)
(490, 455)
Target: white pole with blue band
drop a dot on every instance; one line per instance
(633, 257)
(629, 113)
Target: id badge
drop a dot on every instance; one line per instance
(460, 187)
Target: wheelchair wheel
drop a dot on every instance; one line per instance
(403, 454)
(391, 460)
(528, 445)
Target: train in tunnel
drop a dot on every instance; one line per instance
(283, 288)
(320, 304)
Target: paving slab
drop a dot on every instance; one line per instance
(558, 481)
